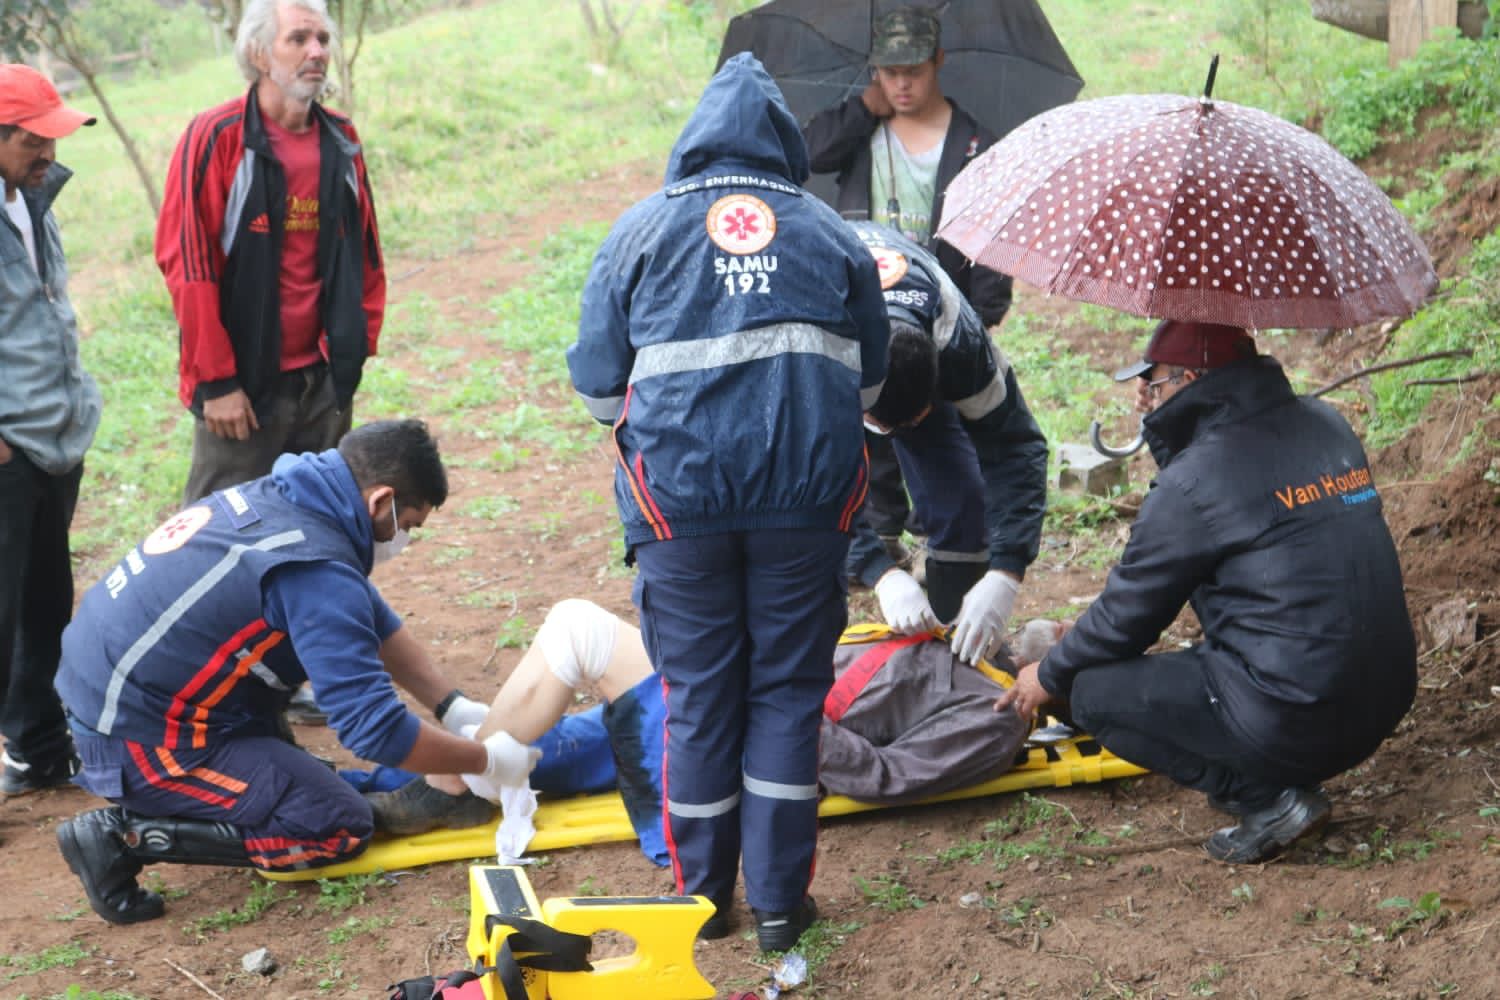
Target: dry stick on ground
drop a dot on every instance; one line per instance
(196, 981)
(1388, 365)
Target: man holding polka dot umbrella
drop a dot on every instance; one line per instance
(1264, 514)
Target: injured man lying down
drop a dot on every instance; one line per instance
(905, 720)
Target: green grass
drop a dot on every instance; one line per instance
(58, 956)
(263, 896)
(335, 895)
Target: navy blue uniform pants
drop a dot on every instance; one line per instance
(36, 601)
(742, 628)
(941, 469)
(291, 809)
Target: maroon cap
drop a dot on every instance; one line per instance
(28, 99)
(1191, 345)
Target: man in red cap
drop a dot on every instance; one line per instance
(49, 409)
(1265, 516)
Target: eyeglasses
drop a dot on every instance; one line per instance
(1153, 385)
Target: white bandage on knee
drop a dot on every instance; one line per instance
(577, 640)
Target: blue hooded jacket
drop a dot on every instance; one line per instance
(733, 331)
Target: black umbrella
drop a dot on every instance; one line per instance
(1003, 62)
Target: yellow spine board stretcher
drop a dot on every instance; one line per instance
(662, 928)
(600, 819)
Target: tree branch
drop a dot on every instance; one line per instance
(1388, 365)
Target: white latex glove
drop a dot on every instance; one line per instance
(981, 619)
(510, 764)
(904, 604)
(463, 712)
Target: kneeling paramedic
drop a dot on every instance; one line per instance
(178, 664)
(973, 457)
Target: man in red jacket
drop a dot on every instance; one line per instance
(268, 243)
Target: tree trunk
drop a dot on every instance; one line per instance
(131, 151)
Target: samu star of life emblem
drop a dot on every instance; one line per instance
(176, 530)
(891, 264)
(741, 224)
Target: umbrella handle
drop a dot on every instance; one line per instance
(1107, 451)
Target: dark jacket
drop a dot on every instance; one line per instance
(218, 244)
(978, 380)
(204, 629)
(732, 329)
(838, 141)
(1266, 517)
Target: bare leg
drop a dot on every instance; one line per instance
(533, 697)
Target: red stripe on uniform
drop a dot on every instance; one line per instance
(200, 714)
(863, 670)
(337, 846)
(180, 700)
(152, 776)
(640, 471)
(857, 498)
(666, 813)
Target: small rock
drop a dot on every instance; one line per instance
(259, 961)
(970, 899)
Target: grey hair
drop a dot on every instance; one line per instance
(257, 30)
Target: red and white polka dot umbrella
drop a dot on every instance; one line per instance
(1189, 209)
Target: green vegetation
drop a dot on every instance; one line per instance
(820, 941)
(58, 956)
(76, 992)
(886, 892)
(263, 896)
(335, 895)
(1426, 910)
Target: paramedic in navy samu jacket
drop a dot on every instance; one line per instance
(732, 331)
(178, 664)
(970, 452)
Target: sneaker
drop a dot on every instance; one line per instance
(716, 926)
(303, 709)
(417, 807)
(1264, 833)
(21, 777)
(782, 931)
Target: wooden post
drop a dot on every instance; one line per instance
(1412, 22)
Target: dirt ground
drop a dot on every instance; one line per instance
(1100, 891)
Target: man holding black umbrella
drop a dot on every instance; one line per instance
(895, 147)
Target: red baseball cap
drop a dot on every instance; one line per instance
(28, 99)
(1191, 345)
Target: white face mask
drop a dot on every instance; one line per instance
(398, 541)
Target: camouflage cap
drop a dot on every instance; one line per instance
(905, 37)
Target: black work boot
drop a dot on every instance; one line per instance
(93, 845)
(1264, 833)
(417, 807)
(782, 931)
(717, 926)
(185, 841)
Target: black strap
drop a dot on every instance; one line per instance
(555, 950)
(441, 708)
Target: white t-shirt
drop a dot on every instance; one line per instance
(913, 186)
(15, 207)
